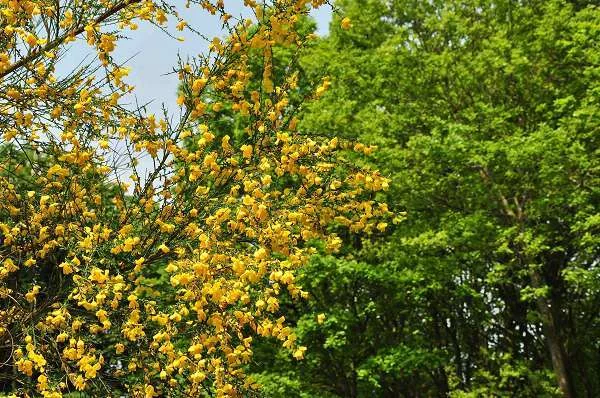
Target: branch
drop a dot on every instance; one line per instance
(59, 40)
(485, 175)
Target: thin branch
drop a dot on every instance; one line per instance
(59, 40)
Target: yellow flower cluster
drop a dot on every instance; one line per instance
(153, 283)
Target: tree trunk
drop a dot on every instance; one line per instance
(553, 339)
(544, 305)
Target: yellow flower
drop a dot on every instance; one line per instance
(217, 107)
(79, 383)
(346, 23)
(31, 40)
(260, 254)
(98, 275)
(181, 25)
(299, 353)
(25, 366)
(138, 263)
(66, 268)
(12, 93)
(42, 382)
(149, 391)
(197, 377)
(30, 262)
(246, 151)
(323, 87)
(198, 85)
(62, 337)
(30, 296)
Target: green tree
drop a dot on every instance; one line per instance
(486, 115)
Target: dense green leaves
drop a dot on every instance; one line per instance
(487, 117)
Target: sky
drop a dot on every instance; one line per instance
(152, 54)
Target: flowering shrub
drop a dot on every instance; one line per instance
(152, 281)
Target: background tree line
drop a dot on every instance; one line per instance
(486, 115)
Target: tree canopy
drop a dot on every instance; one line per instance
(406, 207)
(485, 115)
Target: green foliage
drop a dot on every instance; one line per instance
(487, 116)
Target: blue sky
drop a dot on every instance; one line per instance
(153, 54)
